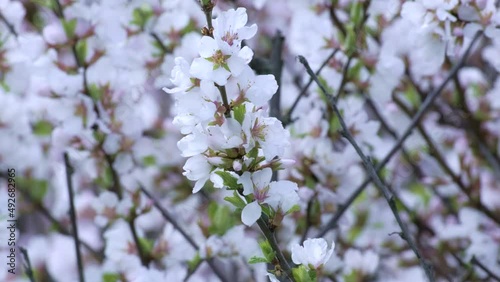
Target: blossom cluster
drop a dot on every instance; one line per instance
(221, 106)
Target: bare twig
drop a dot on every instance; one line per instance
(170, 218)
(308, 219)
(424, 107)
(27, 264)
(9, 26)
(302, 93)
(390, 198)
(484, 268)
(72, 213)
(276, 64)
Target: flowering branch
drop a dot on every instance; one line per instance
(390, 198)
(72, 213)
(274, 244)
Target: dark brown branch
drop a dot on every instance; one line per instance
(27, 264)
(72, 213)
(9, 26)
(302, 93)
(276, 64)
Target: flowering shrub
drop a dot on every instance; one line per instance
(250, 140)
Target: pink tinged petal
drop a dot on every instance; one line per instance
(54, 33)
(220, 76)
(251, 213)
(298, 254)
(246, 54)
(199, 184)
(217, 180)
(201, 68)
(192, 144)
(197, 167)
(262, 90)
(208, 47)
(262, 178)
(246, 181)
(272, 277)
(247, 32)
(236, 65)
(241, 17)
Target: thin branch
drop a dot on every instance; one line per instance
(344, 79)
(269, 235)
(276, 64)
(390, 198)
(170, 218)
(484, 268)
(27, 264)
(72, 213)
(308, 220)
(9, 26)
(336, 20)
(302, 93)
(424, 107)
(160, 42)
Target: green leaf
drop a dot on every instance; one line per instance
(111, 277)
(193, 264)
(420, 190)
(221, 217)
(95, 92)
(42, 128)
(229, 180)
(350, 41)
(254, 260)
(301, 274)
(36, 188)
(81, 51)
(141, 15)
(146, 245)
(267, 250)
(294, 208)
(105, 179)
(69, 27)
(45, 3)
(356, 13)
(239, 113)
(149, 160)
(4, 85)
(236, 200)
(412, 96)
(354, 71)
